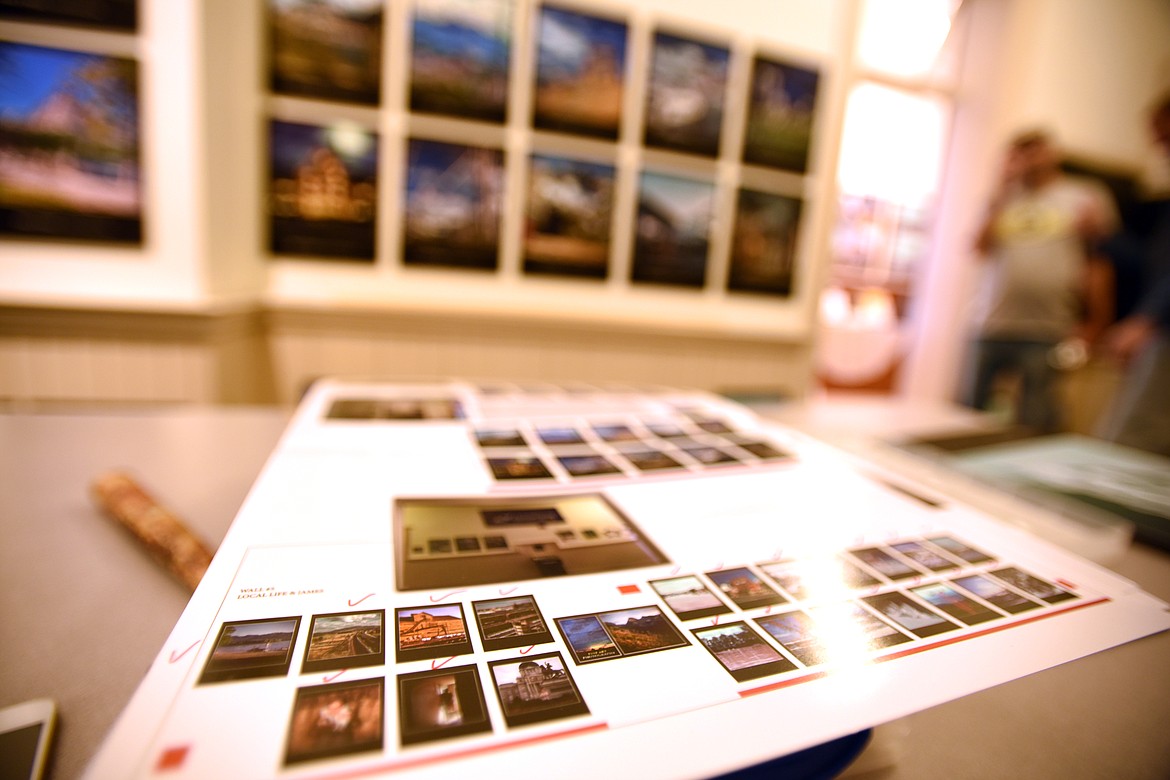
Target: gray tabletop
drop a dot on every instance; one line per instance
(85, 610)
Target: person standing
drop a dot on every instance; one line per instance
(1044, 284)
(1140, 414)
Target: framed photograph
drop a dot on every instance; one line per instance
(672, 230)
(688, 597)
(763, 244)
(882, 562)
(452, 205)
(69, 145)
(744, 588)
(510, 622)
(796, 633)
(994, 593)
(441, 704)
(590, 464)
(1032, 585)
(947, 599)
(580, 66)
(707, 455)
(781, 110)
(499, 437)
(915, 618)
(118, 15)
(326, 49)
(536, 689)
(558, 435)
(570, 211)
(742, 652)
(246, 649)
(642, 630)
(322, 190)
(526, 466)
(433, 631)
(960, 549)
(614, 432)
(338, 719)
(345, 640)
(587, 639)
(396, 409)
(761, 449)
(649, 459)
(459, 58)
(684, 98)
(924, 556)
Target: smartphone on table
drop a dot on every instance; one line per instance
(25, 733)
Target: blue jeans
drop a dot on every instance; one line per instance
(1140, 414)
(1038, 405)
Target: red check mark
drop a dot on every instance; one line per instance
(333, 677)
(527, 650)
(507, 591)
(175, 658)
(444, 597)
(359, 601)
(436, 664)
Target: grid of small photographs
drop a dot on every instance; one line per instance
(775, 618)
(618, 447)
(580, 141)
(878, 596)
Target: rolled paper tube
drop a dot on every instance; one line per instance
(165, 536)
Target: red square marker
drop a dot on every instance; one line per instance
(626, 590)
(172, 758)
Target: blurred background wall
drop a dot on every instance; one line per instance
(903, 155)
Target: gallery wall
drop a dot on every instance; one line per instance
(207, 104)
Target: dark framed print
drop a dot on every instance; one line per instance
(326, 49)
(510, 622)
(1032, 585)
(996, 594)
(946, 599)
(441, 704)
(672, 230)
(905, 612)
(523, 466)
(569, 218)
(688, 597)
(580, 69)
(434, 631)
(345, 640)
(452, 205)
(587, 639)
(322, 190)
(642, 630)
(119, 15)
(744, 588)
(338, 719)
(69, 146)
(459, 58)
(796, 633)
(536, 689)
(247, 649)
(763, 243)
(684, 98)
(781, 110)
(870, 632)
(742, 652)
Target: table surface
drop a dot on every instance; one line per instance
(85, 610)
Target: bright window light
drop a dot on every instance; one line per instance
(892, 145)
(904, 37)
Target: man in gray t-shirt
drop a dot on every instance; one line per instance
(1043, 284)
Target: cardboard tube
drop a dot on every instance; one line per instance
(167, 539)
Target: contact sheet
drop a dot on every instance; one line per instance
(387, 602)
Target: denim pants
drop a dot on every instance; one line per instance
(1038, 404)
